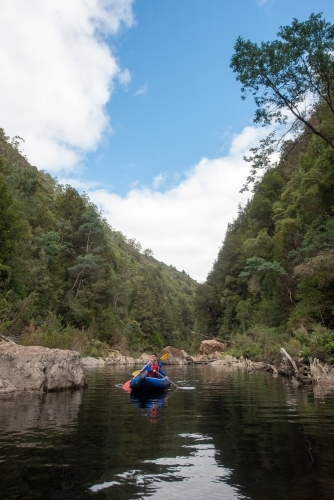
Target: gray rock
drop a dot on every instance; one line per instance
(35, 368)
(6, 387)
(175, 356)
(90, 361)
(116, 358)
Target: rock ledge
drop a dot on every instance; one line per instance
(35, 368)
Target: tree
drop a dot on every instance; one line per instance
(13, 227)
(288, 78)
(148, 252)
(259, 265)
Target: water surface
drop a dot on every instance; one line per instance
(238, 435)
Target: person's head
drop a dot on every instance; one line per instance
(154, 358)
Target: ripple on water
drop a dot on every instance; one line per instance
(237, 435)
(195, 474)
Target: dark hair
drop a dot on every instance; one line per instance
(155, 354)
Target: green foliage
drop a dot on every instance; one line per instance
(258, 343)
(54, 335)
(96, 349)
(259, 265)
(275, 269)
(66, 271)
(317, 342)
(282, 75)
(13, 229)
(323, 337)
(244, 313)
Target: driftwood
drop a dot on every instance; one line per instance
(307, 375)
(273, 369)
(317, 370)
(249, 364)
(288, 357)
(6, 339)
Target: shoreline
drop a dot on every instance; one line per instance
(314, 374)
(298, 372)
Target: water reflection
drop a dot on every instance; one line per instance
(152, 404)
(34, 432)
(238, 435)
(40, 411)
(194, 472)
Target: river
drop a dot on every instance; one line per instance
(236, 435)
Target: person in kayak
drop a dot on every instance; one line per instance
(153, 368)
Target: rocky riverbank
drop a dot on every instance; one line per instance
(313, 373)
(209, 351)
(319, 376)
(33, 368)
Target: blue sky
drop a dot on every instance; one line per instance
(134, 102)
(183, 102)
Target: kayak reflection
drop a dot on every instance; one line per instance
(151, 403)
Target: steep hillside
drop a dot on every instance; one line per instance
(70, 280)
(273, 281)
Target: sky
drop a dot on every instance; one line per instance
(134, 103)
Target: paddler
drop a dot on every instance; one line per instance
(153, 367)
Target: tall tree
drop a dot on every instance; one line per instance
(288, 78)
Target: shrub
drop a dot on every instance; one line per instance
(259, 344)
(96, 349)
(53, 335)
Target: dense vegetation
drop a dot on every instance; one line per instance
(273, 281)
(68, 280)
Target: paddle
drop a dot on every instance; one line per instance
(126, 386)
(178, 386)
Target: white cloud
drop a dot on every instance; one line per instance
(59, 74)
(124, 77)
(185, 225)
(143, 90)
(159, 180)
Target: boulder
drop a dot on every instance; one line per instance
(208, 347)
(228, 361)
(129, 360)
(119, 360)
(6, 387)
(35, 368)
(175, 356)
(90, 361)
(144, 358)
(114, 357)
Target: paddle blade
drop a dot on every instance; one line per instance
(134, 374)
(126, 386)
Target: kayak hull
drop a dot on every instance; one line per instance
(149, 384)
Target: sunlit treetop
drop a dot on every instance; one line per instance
(288, 78)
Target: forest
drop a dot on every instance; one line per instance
(69, 280)
(272, 283)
